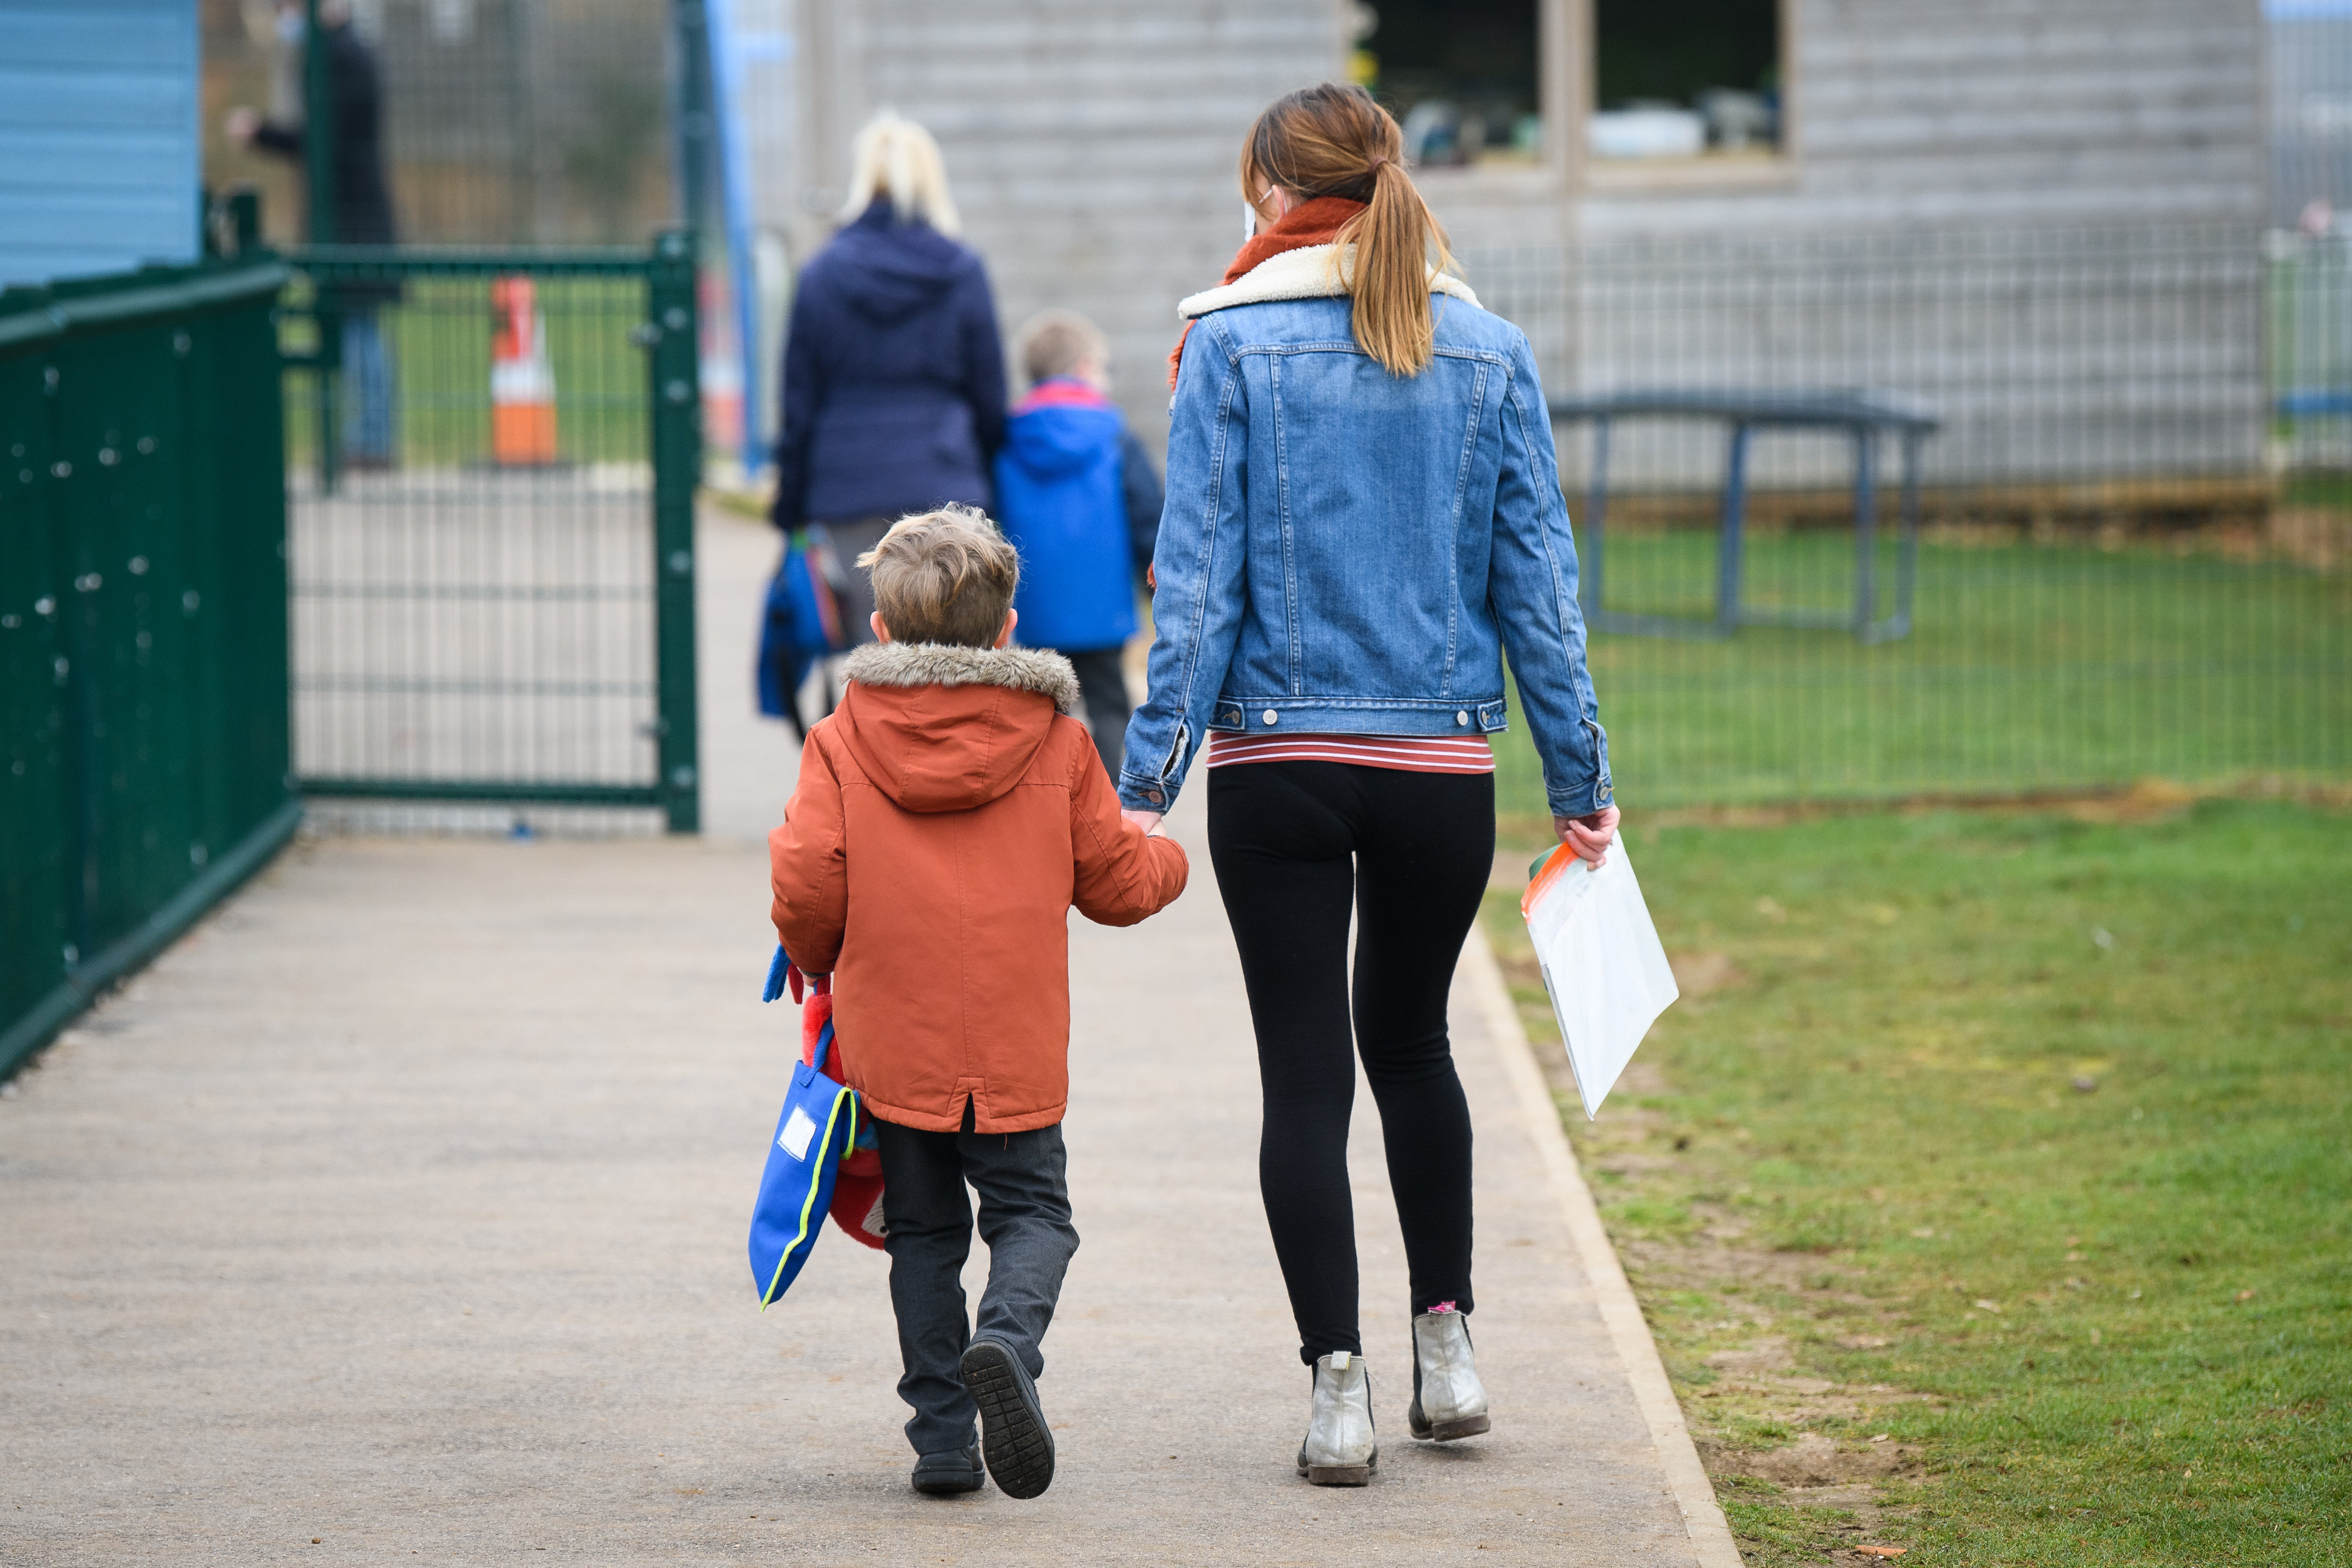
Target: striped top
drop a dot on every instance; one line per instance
(1405, 754)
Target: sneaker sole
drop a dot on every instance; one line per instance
(948, 1486)
(1012, 1435)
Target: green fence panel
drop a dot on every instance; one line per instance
(495, 459)
(142, 621)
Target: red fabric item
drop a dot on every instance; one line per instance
(857, 1194)
(929, 860)
(1315, 222)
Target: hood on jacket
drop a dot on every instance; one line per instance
(888, 269)
(1060, 429)
(943, 728)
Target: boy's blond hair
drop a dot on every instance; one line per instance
(1055, 343)
(944, 577)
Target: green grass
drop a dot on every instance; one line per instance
(1860, 1192)
(2031, 668)
(439, 337)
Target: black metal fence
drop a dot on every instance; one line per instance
(2133, 551)
(492, 535)
(143, 623)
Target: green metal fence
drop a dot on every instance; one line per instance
(143, 623)
(495, 456)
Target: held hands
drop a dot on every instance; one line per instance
(1146, 820)
(1590, 837)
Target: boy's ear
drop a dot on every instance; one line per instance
(881, 632)
(1011, 619)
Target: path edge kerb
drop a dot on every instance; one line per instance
(1629, 1331)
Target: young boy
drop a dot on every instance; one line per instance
(1079, 499)
(950, 813)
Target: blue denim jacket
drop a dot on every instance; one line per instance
(1345, 551)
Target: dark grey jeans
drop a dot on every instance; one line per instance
(1025, 1217)
(1102, 681)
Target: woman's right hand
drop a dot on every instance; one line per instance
(1589, 835)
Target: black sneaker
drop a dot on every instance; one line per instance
(1012, 1432)
(946, 1474)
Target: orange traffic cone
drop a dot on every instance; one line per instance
(523, 386)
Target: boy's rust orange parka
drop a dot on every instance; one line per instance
(950, 814)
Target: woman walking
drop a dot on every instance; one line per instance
(894, 379)
(1363, 514)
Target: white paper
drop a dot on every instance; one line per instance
(1602, 965)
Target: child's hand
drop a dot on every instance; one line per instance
(1146, 820)
(1590, 837)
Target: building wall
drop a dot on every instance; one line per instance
(1992, 114)
(1092, 148)
(98, 166)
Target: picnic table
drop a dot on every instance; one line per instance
(1866, 416)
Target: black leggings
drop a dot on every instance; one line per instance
(1293, 844)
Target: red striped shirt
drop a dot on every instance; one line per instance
(1405, 754)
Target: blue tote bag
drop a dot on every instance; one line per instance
(814, 1134)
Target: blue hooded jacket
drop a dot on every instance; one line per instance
(1077, 495)
(893, 379)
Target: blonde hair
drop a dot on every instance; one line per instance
(1335, 140)
(1054, 342)
(944, 577)
(897, 158)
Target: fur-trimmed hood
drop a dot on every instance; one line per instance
(946, 664)
(943, 728)
(1310, 272)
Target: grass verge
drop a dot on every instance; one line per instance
(1989, 1192)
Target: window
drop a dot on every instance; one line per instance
(1697, 80)
(1460, 77)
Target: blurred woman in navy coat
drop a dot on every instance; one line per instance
(894, 376)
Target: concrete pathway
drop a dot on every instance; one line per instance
(398, 1216)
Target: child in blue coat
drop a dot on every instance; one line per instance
(1077, 496)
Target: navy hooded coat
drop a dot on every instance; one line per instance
(894, 377)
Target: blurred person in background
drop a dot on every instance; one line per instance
(362, 204)
(1077, 496)
(1364, 511)
(893, 377)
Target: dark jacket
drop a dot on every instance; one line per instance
(363, 197)
(1078, 497)
(894, 379)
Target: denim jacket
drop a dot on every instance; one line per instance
(1345, 551)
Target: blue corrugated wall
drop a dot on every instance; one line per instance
(100, 156)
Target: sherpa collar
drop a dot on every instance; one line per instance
(1310, 272)
(946, 664)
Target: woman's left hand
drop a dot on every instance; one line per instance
(1146, 820)
(1590, 837)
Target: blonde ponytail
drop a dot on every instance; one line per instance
(1336, 140)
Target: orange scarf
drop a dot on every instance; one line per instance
(1315, 222)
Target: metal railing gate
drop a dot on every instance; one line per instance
(492, 462)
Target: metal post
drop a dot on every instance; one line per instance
(696, 124)
(1865, 527)
(1596, 505)
(1907, 562)
(1729, 549)
(318, 128)
(319, 166)
(677, 401)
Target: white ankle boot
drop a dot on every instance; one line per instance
(1448, 1400)
(1339, 1450)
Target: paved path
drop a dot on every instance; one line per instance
(401, 1207)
